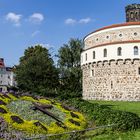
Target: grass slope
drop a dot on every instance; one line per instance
(121, 105)
(133, 107)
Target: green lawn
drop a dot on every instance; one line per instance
(121, 105)
(125, 106)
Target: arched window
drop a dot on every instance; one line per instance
(86, 57)
(93, 54)
(136, 15)
(119, 51)
(136, 51)
(105, 52)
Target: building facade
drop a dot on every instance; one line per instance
(7, 77)
(111, 60)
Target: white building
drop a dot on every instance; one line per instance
(7, 77)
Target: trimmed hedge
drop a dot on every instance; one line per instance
(102, 115)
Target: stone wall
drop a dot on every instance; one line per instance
(112, 80)
(115, 35)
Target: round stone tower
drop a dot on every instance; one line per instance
(132, 13)
(110, 60)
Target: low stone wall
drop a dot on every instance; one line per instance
(112, 80)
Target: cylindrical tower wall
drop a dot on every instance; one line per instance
(111, 64)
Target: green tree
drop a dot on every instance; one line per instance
(36, 71)
(69, 66)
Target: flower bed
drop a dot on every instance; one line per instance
(21, 114)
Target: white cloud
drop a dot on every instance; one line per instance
(48, 46)
(70, 21)
(85, 20)
(35, 33)
(36, 18)
(14, 18)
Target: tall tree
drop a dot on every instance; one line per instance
(36, 71)
(69, 65)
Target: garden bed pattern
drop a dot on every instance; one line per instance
(39, 115)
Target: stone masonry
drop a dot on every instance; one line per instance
(112, 80)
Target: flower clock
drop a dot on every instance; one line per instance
(39, 115)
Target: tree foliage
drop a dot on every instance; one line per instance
(69, 65)
(36, 71)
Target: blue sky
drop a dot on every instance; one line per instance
(52, 22)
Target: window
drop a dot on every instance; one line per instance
(131, 15)
(111, 84)
(139, 70)
(107, 37)
(92, 73)
(105, 52)
(119, 51)
(86, 56)
(120, 35)
(136, 51)
(82, 58)
(93, 54)
(135, 34)
(136, 15)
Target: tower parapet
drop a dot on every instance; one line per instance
(132, 13)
